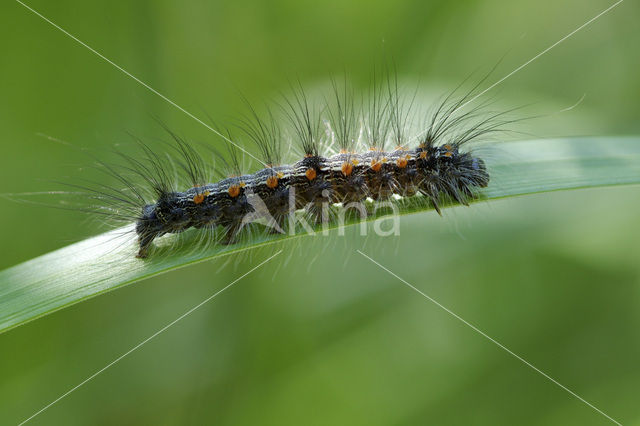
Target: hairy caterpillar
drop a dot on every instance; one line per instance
(372, 159)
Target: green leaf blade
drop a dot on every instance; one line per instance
(99, 264)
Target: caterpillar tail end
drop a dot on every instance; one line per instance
(482, 177)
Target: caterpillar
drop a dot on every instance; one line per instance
(372, 159)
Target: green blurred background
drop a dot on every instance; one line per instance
(321, 336)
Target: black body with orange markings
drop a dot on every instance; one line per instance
(436, 172)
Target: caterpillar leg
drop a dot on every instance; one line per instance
(280, 221)
(231, 233)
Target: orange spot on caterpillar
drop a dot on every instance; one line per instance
(346, 169)
(234, 191)
(310, 174)
(242, 184)
(447, 147)
(376, 165)
(343, 151)
(448, 154)
(280, 175)
(401, 162)
(272, 182)
(199, 198)
(355, 162)
(423, 155)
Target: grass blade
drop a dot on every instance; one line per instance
(102, 263)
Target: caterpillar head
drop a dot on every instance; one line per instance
(172, 213)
